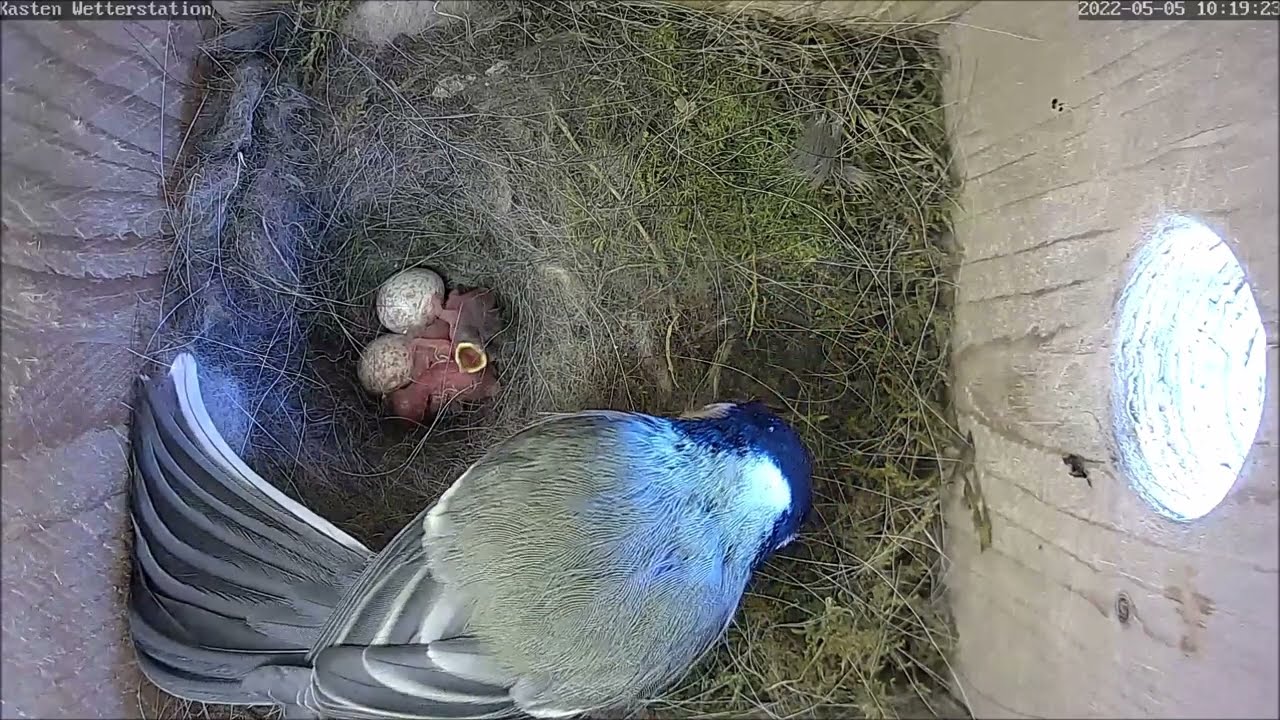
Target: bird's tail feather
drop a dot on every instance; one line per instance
(231, 577)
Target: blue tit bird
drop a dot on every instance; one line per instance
(581, 566)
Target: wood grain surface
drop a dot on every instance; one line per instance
(1073, 139)
(90, 117)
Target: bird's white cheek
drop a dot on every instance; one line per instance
(766, 489)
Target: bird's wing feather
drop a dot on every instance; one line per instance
(396, 645)
(374, 658)
(398, 681)
(392, 598)
(249, 483)
(229, 574)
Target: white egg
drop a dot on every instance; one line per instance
(410, 299)
(386, 364)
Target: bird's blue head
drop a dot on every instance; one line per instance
(774, 455)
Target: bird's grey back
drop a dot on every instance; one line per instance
(593, 556)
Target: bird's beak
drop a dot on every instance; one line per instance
(470, 357)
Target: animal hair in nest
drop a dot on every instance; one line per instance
(675, 206)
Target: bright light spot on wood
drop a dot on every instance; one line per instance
(1189, 370)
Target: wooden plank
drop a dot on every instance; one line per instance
(90, 122)
(1074, 137)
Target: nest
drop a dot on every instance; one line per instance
(675, 206)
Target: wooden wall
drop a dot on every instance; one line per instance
(1074, 138)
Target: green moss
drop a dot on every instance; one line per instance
(674, 142)
(840, 289)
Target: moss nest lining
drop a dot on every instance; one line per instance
(676, 206)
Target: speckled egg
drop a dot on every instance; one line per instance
(386, 364)
(410, 299)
